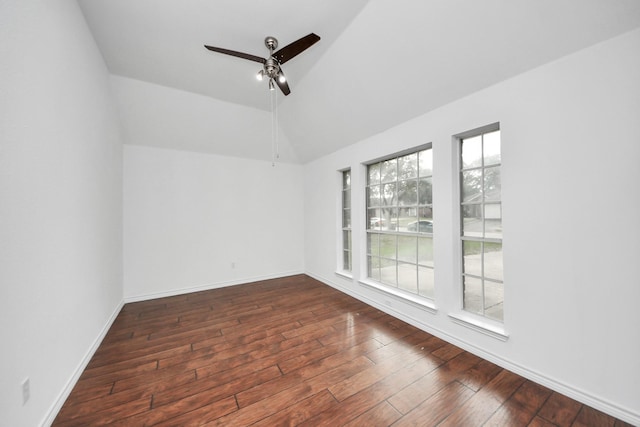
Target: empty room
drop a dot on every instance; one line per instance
(363, 213)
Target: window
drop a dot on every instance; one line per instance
(346, 221)
(400, 222)
(481, 223)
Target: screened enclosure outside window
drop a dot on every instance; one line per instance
(346, 221)
(481, 224)
(400, 222)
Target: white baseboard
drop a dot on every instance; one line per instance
(582, 396)
(64, 394)
(207, 287)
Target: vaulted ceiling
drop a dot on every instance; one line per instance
(379, 62)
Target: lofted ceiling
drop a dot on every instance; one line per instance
(379, 63)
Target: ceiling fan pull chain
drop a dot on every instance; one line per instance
(272, 95)
(276, 125)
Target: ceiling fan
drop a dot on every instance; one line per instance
(272, 66)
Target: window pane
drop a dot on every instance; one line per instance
(346, 218)
(472, 294)
(425, 191)
(374, 174)
(346, 239)
(494, 300)
(472, 186)
(388, 246)
(408, 249)
(492, 184)
(426, 282)
(375, 218)
(493, 221)
(389, 195)
(425, 251)
(346, 179)
(426, 213)
(388, 171)
(346, 260)
(408, 166)
(407, 193)
(388, 273)
(346, 198)
(383, 218)
(491, 148)
(374, 267)
(472, 258)
(425, 162)
(373, 247)
(472, 152)
(373, 196)
(405, 216)
(493, 260)
(472, 220)
(408, 278)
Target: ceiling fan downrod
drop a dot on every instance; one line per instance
(271, 67)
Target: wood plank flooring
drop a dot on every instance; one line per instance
(294, 351)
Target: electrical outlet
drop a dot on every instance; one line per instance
(26, 390)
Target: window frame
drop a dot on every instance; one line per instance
(346, 194)
(416, 298)
(471, 319)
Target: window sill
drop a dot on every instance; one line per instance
(401, 296)
(479, 324)
(344, 274)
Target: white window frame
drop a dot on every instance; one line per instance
(346, 195)
(475, 321)
(399, 294)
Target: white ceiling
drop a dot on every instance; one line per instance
(379, 63)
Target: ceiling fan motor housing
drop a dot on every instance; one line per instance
(271, 67)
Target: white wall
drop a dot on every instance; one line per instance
(60, 204)
(159, 116)
(571, 147)
(196, 221)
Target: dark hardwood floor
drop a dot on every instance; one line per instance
(294, 351)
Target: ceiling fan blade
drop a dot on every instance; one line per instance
(237, 54)
(284, 86)
(293, 49)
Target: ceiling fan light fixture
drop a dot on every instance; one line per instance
(260, 75)
(281, 78)
(271, 85)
